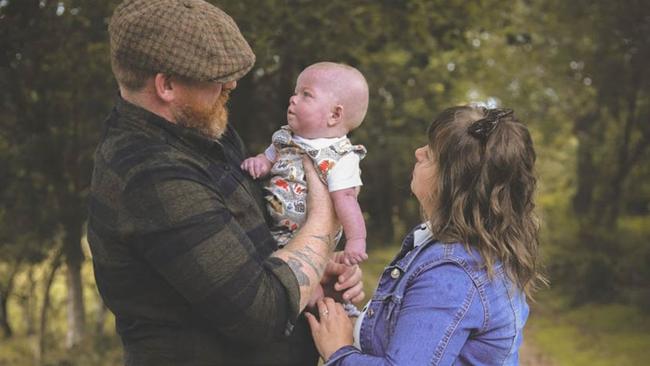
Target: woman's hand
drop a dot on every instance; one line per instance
(333, 330)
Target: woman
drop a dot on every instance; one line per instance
(456, 292)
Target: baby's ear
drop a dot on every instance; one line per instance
(336, 117)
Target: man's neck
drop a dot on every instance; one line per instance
(146, 99)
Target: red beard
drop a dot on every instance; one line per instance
(210, 121)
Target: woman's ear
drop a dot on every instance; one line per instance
(336, 117)
(165, 87)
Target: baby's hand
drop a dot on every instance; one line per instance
(355, 252)
(258, 166)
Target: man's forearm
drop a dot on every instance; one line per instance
(309, 251)
(307, 255)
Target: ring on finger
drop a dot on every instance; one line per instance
(324, 312)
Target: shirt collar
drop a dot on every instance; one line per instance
(421, 235)
(318, 143)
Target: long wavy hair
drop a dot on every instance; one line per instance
(484, 187)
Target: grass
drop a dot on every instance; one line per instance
(98, 349)
(594, 335)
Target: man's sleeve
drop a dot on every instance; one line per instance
(185, 232)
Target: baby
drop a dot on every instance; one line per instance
(329, 101)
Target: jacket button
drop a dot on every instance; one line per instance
(395, 273)
(370, 313)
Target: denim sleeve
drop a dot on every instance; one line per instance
(440, 308)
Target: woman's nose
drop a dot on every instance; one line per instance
(419, 153)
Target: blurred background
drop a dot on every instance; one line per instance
(576, 72)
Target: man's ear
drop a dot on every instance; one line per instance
(336, 117)
(165, 87)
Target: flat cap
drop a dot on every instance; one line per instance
(189, 38)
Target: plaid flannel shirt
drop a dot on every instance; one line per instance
(181, 250)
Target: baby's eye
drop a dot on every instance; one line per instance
(306, 94)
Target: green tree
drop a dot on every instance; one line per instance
(404, 48)
(578, 73)
(56, 88)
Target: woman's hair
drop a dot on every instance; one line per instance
(484, 188)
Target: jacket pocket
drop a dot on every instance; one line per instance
(393, 305)
(379, 322)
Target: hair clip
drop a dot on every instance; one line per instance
(482, 128)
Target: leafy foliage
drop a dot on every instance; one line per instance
(575, 72)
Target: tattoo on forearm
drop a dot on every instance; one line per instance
(296, 267)
(306, 255)
(327, 239)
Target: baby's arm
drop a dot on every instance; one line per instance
(349, 213)
(258, 166)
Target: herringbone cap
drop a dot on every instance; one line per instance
(189, 38)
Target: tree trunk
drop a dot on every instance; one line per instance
(40, 348)
(100, 317)
(7, 332)
(29, 303)
(75, 306)
(5, 292)
(587, 173)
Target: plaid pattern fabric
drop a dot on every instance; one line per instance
(181, 250)
(190, 38)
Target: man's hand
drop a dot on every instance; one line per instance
(349, 278)
(320, 208)
(342, 282)
(258, 166)
(310, 250)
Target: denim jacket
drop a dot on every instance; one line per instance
(436, 305)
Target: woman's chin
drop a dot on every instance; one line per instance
(412, 186)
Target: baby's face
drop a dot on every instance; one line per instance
(311, 105)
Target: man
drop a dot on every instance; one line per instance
(181, 250)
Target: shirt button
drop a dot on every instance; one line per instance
(395, 273)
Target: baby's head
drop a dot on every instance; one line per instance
(330, 100)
